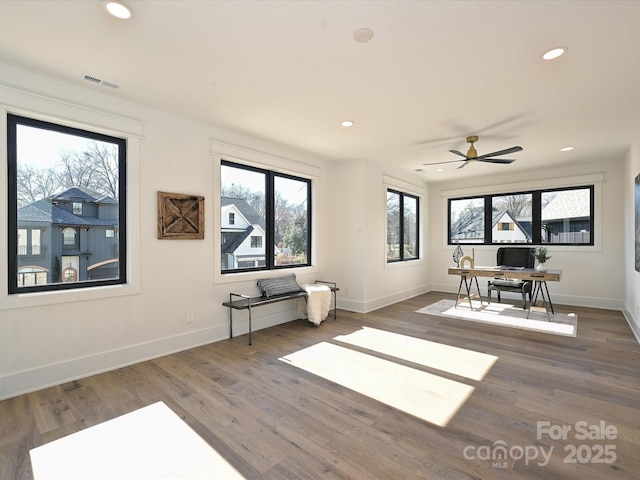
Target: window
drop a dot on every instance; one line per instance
(69, 275)
(269, 219)
(69, 236)
(35, 242)
(29, 276)
(22, 241)
(557, 217)
(567, 216)
(256, 242)
(402, 226)
(466, 220)
(50, 167)
(29, 241)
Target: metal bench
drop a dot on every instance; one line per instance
(246, 302)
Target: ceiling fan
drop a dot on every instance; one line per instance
(472, 155)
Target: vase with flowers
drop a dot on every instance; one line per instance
(542, 255)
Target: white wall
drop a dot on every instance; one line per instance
(51, 338)
(367, 282)
(632, 277)
(592, 276)
(47, 339)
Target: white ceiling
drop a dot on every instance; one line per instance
(291, 71)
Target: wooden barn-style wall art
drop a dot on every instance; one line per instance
(180, 216)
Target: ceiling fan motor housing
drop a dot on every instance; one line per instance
(472, 153)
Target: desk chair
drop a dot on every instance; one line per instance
(513, 257)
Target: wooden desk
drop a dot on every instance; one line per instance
(540, 279)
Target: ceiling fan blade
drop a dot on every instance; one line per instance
(496, 160)
(459, 153)
(500, 152)
(464, 165)
(448, 161)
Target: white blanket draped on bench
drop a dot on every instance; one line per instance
(318, 303)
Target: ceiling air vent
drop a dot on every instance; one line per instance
(99, 81)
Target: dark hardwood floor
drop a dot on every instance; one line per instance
(273, 421)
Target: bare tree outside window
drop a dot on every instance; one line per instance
(65, 198)
(402, 226)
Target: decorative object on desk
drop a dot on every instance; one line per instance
(462, 263)
(505, 315)
(180, 216)
(457, 255)
(542, 255)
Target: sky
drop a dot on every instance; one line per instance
(42, 148)
(294, 191)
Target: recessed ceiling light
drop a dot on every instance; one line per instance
(566, 149)
(439, 169)
(117, 9)
(554, 53)
(347, 123)
(363, 35)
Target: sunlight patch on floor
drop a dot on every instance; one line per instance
(506, 315)
(430, 397)
(151, 443)
(459, 361)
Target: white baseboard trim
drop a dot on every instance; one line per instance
(634, 323)
(26, 381)
(371, 305)
(577, 301)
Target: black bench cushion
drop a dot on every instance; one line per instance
(270, 287)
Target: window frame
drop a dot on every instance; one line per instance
(536, 216)
(401, 225)
(13, 120)
(269, 239)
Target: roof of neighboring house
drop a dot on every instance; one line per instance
(85, 194)
(567, 204)
(472, 220)
(250, 213)
(235, 240)
(43, 210)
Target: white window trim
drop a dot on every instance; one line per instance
(36, 106)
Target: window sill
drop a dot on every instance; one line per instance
(36, 299)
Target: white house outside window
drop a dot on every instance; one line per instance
(266, 219)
